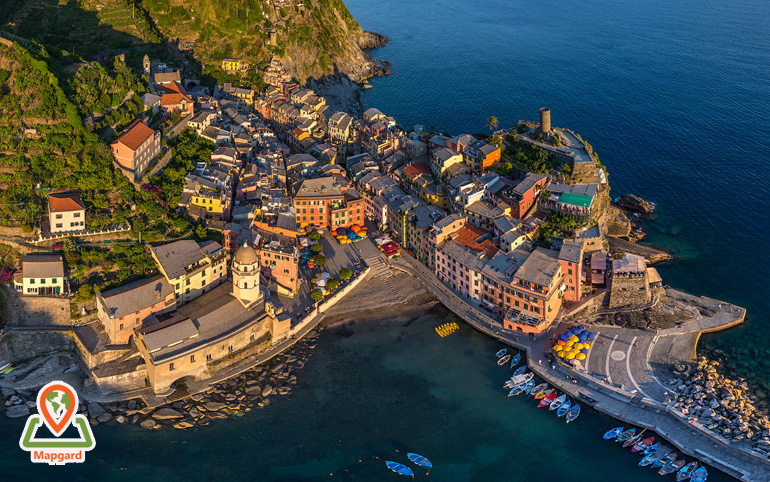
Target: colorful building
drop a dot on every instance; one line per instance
(191, 268)
(324, 203)
(66, 213)
(136, 148)
(41, 274)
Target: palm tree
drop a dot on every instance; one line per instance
(492, 123)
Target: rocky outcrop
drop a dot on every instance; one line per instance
(652, 255)
(635, 204)
(371, 40)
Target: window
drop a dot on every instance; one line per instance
(121, 327)
(192, 358)
(171, 367)
(188, 282)
(208, 357)
(230, 348)
(53, 280)
(76, 215)
(58, 225)
(569, 270)
(58, 216)
(42, 281)
(32, 281)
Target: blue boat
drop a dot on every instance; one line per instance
(520, 370)
(400, 469)
(564, 409)
(516, 390)
(515, 360)
(612, 433)
(501, 353)
(648, 460)
(529, 386)
(700, 475)
(420, 460)
(573, 413)
(665, 460)
(650, 450)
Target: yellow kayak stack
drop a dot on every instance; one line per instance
(447, 329)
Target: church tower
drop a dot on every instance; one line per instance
(246, 276)
(146, 65)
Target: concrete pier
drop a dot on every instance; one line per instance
(622, 376)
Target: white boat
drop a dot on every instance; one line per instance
(517, 380)
(503, 360)
(558, 402)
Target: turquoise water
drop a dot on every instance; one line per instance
(672, 94)
(386, 388)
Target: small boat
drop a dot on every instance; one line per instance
(564, 409)
(522, 379)
(687, 471)
(558, 402)
(665, 460)
(516, 390)
(547, 400)
(501, 353)
(503, 360)
(520, 370)
(642, 444)
(700, 475)
(538, 389)
(626, 435)
(671, 468)
(529, 386)
(632, 441)
(515, 360)
(4, 367)
(573, 413)
(400, 469)
(7, 371)
(544, 394)
(613, 433)
(650, 450)
(648, 460)
(420, 460)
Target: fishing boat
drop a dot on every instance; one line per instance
(564, 409)
(642, 444)
(632, 441)
(420, 460)
(626, 435)
(544, 393)
(7, 371)
(503, 360)
(501, 353)
(529, 386)
(400, 469)
(4, 367)
(515, 360)
(700, 475)
(516, 390)
(665, 460)
(573, 413)
(547, 400)
(671, 468)
(558, 402)
(687, 471)
(650, 450)
(538, 389)
(612, 433)
(649, 459)
(520, 370)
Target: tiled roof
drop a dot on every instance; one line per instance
(64, 202)
(135, 135)
(136, 296)
(42, 266)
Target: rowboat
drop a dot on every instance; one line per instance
(529, 386)
(515, 360)
(700, 475)
(687, 471)
(400, 469)
(4, 367)
(520, 370)
(516, 390)
(503, 360)
(650, 450)
(632, 441)
(613, 433)
(7, 371)
(573, 413)
(501, 353)
(665, 460)
(648, 460)
(558, 402)
(420, 460)
(626, 435)
(544, 394)
(547, 400)
(538, 389)
(671, 468)
(642, 444)
(564, 409)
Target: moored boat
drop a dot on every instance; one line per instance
(547, 400)
(4, 367)
(7, 371)
(544, 394)
(687, 471)
(535, 391)
(420, 460)
(632, 441)
(642, 444)
(400, 469)
(520, 370)
(573, 413)
(650, 450)
(647, 460)
(516, 390)
(515, 360)
(700, 475)
(529, 386)
(501, 353)
(558, 402)
(612, 433)
(665, 460)
(503, 360)
(671, 468)
(564, 409)
(622, 437)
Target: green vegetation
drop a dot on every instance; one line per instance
(99, 269)
(316, 248)
(316, 294)
(532, 158)
(314, 235)
(345, 273)
(332, 284)
(320, 260)
(95, 89)
(492, 122)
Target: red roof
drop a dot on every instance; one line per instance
(467, 236)
(174, 99)
(415, 169)
(135, 135)
(65, 202)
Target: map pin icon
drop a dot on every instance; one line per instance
(63, 399)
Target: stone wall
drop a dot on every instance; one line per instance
(629, 291)
(122, 382)
(17, 346)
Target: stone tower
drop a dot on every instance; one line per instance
(146, 65)
(545, 120)
(246, 276)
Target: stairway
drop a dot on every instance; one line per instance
(379, 268)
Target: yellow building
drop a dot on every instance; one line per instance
(208, 200)
(191, 268)
(435, 195)
(234, 65)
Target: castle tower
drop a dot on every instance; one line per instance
(246, 275)
(146, 65)
(545, 120)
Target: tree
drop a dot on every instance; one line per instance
(332, 284)
(320, 260)
(316, 294)
(345, 273)
(314, 235)
(492, 122)
(316, 248)
(201, 231)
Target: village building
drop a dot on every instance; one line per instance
(324, 203)
(191, 268)
(279, 261)
(66, 213)
(41, 274)
(135, 149)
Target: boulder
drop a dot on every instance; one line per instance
(7, 392)
(267, 391)
(149, 424)
(193, 412)
(633, 203)
(120, 419)
(17, 411)
(131, 405)
(103, 418)
(254, 390)
(95, 410)
(166, 414)
(182, 425)
(214, 406)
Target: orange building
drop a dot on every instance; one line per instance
(136, 148)
(571, 261)
(279, 261)
(324, 203)
(174, 97)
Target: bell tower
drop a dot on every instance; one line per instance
(246, 276)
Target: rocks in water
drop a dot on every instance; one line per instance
(17, 411)
(635, 204)
(182, 425)
(95, 410)
(371, 40)
(267, 391)
(149, 424)
(166, 414)
(104, 418)
(8, 392)
(131, 405)
(121, 419)
(214, 406)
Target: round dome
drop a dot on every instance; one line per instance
(245, 255)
